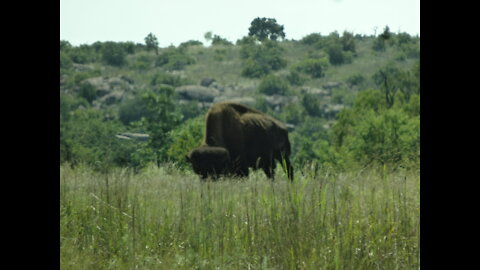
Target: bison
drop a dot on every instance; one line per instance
(252, 139)
(209, 161)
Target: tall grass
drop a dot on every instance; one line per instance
(165, 219)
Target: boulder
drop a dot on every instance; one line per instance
(331, 85)
(249, 101)
(206, 82)
(196, 92)
(106, 85)
(315, 91)
(133, 136)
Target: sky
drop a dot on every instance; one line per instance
(177, 21)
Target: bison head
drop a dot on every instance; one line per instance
(209, 161)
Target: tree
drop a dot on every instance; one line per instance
(263, 28)
(161, 117)
(113, 54)
(152, 43)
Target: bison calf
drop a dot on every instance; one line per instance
(209, 161)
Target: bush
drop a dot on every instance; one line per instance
(174, 59)
(170, 79)
(336, 55)
(374, 133)
(88, 92)
(65, 61)
(274, 85)
(218, 40)
(189, 43)
(313, 67)
(88, 138)
(348, 42)
(260, 59)
(113, 54)
(311, 103)
(132, 110)
(254, 69)
(296, 78)
(356, 80)
(184, 138)
(311, 39)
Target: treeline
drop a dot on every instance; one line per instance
(378, 126)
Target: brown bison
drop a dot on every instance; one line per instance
(210, 161)
(252, 139)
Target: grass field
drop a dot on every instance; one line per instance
(163, 218)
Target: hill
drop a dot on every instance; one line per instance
(305, 83)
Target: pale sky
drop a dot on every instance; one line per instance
(177, 21)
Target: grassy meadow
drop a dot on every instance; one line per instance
(164, 218)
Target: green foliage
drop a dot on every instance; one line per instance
(160, 78)
(142, 62)
(87, 91)
(65, 45)
(381, 42)
(87, 137)
(174, 59)
(113, 54)
(161, 117)
(263, 28)
(218, 40)
(65, 61)
(151, 42)
(189, 43)
(132, 110)
(295, 78)
(184, 138)
(163, 218)
(376, 133)
(356, 80)
(348, 42)
(379, 45)
(274, 85)
(260, 59)
(311, 39)
(337, 56)
(311, 103)
(254, 69)
(292, 113)
(313, 67)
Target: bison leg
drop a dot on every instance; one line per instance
(269, 172)
(289, 168)
(269, 168)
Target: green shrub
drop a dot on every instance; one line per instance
(311, 39)
(113, 53)
(336, 55)
(166, 78)
(372, 132)
(274, 85)
(132, 110)
(356, 80)
(88, 138)
(65, 61)
(313, 67)
(190, 43)
(87, 91)
(296, 78)
(184, 138)
(174, 59)
(311, 103)
(260, 59)
(254, 69)
(348, 42)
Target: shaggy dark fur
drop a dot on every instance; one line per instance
(210, 161)
(252, 138)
